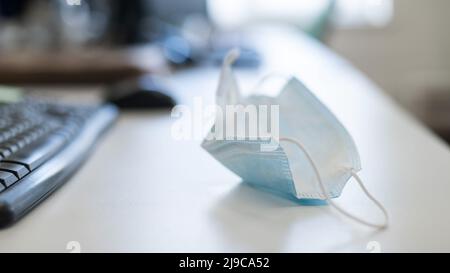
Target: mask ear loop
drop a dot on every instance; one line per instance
(228, 90)
(331, 202)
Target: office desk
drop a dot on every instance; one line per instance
(144, 191)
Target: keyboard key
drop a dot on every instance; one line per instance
(19, 142)
(32, 134)
(37, 153)
(4, 152)
(7, 178)
(17, 169)
(10, 146)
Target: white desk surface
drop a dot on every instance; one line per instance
(143, 191)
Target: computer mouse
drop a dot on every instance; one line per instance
(140, 93)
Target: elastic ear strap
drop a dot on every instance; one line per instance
(228, 90)
(231, 57)
(333, 204)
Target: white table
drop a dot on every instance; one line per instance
(143, 191)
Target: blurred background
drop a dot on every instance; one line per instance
(401, 45)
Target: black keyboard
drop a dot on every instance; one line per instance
(41, 145)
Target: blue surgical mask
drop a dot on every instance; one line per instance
(313, 157)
